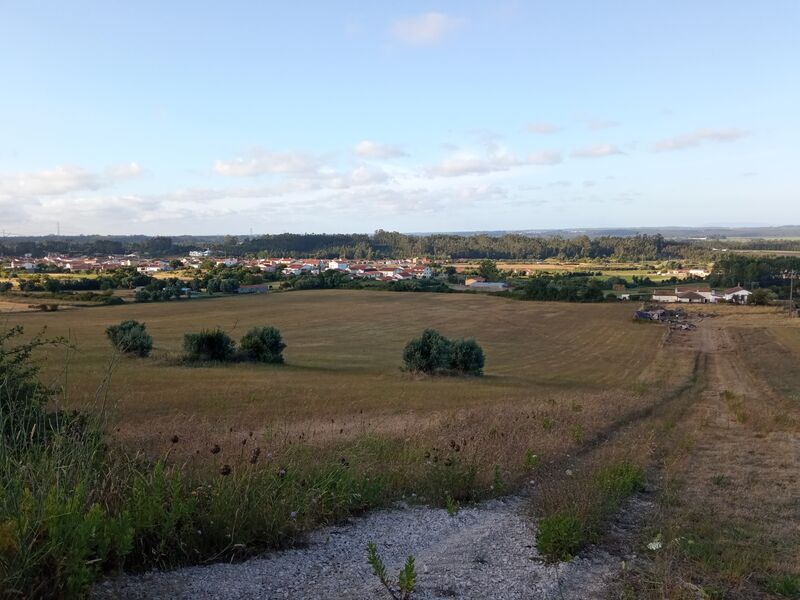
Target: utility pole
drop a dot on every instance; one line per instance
(791, 294)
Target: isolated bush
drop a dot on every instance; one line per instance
(5, 286)
(209, 344)
(428, 353)
(467, 357)
(433, 353)
(263, 344)
(761, 297)
(130, 337)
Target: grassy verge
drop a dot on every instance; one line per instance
(575, 519)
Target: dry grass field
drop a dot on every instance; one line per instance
(344, 358)
(570, 391)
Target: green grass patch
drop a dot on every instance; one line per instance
(577, 516)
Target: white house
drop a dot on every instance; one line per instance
(737, 294)
(337, 265)
(23, 264)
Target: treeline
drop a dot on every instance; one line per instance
(738, 269)
(385, 244)
(381, 244)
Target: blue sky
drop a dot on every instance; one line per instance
(211, 117)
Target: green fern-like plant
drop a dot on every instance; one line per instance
(452, 506)
(406, 580)
(378, 568)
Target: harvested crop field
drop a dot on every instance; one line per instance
(578, 408)
(344, 357)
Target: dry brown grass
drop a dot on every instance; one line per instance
(729, 508)
(555, 375)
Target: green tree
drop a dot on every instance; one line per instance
(467, 357)
(263, 344)
(761, 297)
(130, 337)
(209, 344)
(488, 270)
(428, 353)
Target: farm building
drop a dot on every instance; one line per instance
(737, 295)
(488, 286)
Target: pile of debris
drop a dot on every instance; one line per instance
(675, 318)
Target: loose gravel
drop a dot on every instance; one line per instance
(487, 551)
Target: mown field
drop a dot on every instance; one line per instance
(577, 397)
(343, 360)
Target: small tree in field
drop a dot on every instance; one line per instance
(428, 353)
(130, 337)
(433, 353)
(263, 344)
(209, 344)
(467, 357)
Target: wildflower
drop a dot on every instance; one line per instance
(282, 473)
(215, 449)
(225, 470)
(175, 439)
(654, 545)
(254, 455)
(569, 472)
(294, 515)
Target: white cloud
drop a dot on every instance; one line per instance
(600, 124)
(263, 162)
(125, 171)
(498, 159)
(65, 179)
(471, 165)
(597, 151)
(698, 137)
(544, 158)
(543, 128)
(370, 149)
(426, 29)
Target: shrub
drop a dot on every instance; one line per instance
(761, 297)
(427, 354)
(130, 337)
(433, 353)
(263, 344)
(467, 357)
(559, 536)
(209, 344)
(5, 286)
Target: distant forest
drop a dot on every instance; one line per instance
(388, 244)
(381, 244)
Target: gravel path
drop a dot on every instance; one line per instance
(486, 551)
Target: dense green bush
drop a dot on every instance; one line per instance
(428, 353)
(130, 337)
(433, 353)
(263, 344)
(467, 357)
(209, 344)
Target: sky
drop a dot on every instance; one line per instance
(199, 117)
